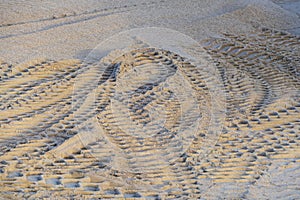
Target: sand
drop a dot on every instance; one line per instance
(150, 99)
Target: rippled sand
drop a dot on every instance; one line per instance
(150, 122)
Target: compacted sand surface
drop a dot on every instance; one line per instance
(94, 104)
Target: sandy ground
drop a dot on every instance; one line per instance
(208, 112)
(57, 30)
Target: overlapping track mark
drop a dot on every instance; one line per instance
(43, 95)
(130, 145)
(261, 77)
(143, 155)
(260, 73)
